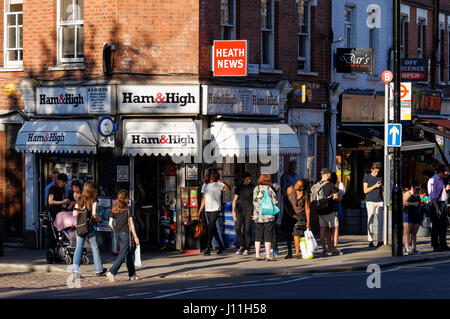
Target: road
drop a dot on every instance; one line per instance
(424, 280)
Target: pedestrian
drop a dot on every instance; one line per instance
(328, 218)
(88, 202)
(338, 208)
(74, 194)
(212, 203)
(243, 216)
(439, 220)
(51, 184)
(299, 199)
(288, 219)
(411, 217)
(126, 234)
(373, 188)
(264, 224)
(56, 200)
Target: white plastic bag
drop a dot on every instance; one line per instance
(137, 256)
(311, 241)
(425, 221)
(307, 253)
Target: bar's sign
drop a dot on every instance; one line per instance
(48, 137)
(350, 60)
(141, 99)
(163, 140)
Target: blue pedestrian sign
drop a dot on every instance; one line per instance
(394, 135)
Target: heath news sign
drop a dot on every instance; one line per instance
(134, 99)
(74, 100)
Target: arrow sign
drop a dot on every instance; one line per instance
(394, 135)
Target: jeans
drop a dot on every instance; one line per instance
(124, 254)
(92, 238)
(212, 229)
(244, 218)
(439, 227)
(374, 210)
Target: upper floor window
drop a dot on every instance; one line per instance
(348, 25)
(421, 38)
(13, 42)
(70, 31)
(228, 20)
(267, 33)
(304, 29)
(403, 36)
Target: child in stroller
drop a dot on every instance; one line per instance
(63, 231)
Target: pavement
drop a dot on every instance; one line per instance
(174, 264)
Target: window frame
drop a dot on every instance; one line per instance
(6, 62)
(306, 36)
(348, 25)
(403, 33)
(59, 32)
(232, 25)
(271, 32)
(421, 24)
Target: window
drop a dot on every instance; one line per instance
(421, 39)
(267, 30)
(403, 36)
(304, 29)
(348, 25)
(440, 52)
(227, 20)
(13, 42)
(70, 31)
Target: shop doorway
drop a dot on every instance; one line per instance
(14, 188)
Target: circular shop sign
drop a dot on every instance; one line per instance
(106, 126)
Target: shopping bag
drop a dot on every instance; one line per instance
(306, 253)
(267, 206)
(137, 256)
(311, 241)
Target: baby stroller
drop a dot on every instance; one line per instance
(63, 232)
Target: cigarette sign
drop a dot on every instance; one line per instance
(230, 58)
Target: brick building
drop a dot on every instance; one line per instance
(74, 63)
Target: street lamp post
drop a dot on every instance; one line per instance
(397, 200)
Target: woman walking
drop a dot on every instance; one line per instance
(411, 217)
(212, 203)
(124, 225)
(87, 204)
(264, 224)
(299, 200)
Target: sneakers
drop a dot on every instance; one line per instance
(132, 278)
(101, 274)
(416, 252)
(245, 253)
(275, 253)
(221, 250)
(408, 252)
(110, 277)
(380, 244)
(240, 251)
(207, 253)
(371, 245)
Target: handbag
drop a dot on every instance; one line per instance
(267, 206)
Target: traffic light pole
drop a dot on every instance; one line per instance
(397, 196)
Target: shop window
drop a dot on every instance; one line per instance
(228, 19)
(267, 33)
(13, 26)
(70, 26)
(304, 32)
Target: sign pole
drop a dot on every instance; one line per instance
(397, 200)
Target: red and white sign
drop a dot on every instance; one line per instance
(387, 77)
(230, 58)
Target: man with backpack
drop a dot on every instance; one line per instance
(323, 195)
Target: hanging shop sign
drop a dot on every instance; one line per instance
(106, 126)
(240, 100)
(350, 60)
(74, 100)
(230, 58)
(144, 99)
(413, 70)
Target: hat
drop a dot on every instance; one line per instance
(325, 170)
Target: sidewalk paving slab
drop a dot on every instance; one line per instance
(357, 256)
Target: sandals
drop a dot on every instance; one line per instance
(269, 259)
(298, 256)
(259, 259)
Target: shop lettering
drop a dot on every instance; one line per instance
(168, 98)
(63, 99)
(48, 137)
(163, 139)
(222, 99)
(267, 100)
(351, 58)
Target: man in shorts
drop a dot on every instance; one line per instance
(328, 217)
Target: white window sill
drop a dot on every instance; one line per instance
(268, 70)
(67, 67)
(301, 72)
(350, 76)
(12, 69)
